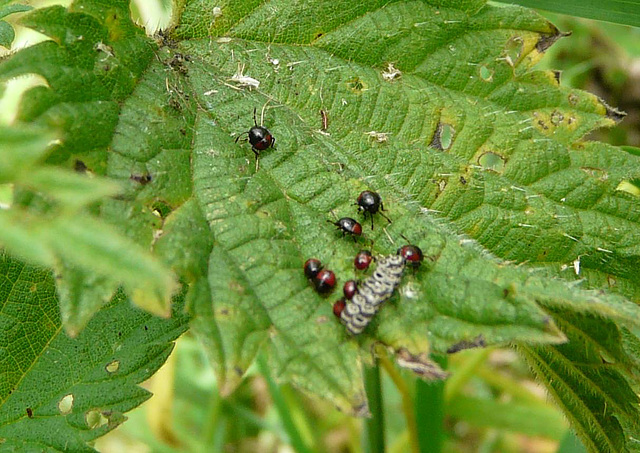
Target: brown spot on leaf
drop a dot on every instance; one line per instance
(421, 365)
(548, 39)
(556, 117)
(142, 179)
(362, 410)
(477, 342)
(613, 113)
(356, 85)
(443, 137)
(80, 166)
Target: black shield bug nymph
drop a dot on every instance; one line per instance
(259, 137)
(348, 225)
(371, 203)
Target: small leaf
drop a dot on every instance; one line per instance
(69, 188)
(60, 393)
(6, 10)
(31, 141)
(6, 34)
(587, 378)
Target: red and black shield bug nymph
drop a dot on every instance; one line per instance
(411, 254)
(311, 268)
(349, 289)
(325, 281)
(259, 137)
(362, 260)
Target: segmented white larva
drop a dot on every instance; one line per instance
(372, 293)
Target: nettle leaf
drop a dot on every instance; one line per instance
(49, 223)
(434, 105)
(58, 393)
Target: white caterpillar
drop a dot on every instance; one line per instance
(372, 293)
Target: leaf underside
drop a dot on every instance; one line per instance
(434, 105)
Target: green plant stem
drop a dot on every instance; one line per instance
(465, 371)
(212, 421)
(429, 409)
(283, 410)
(373, 435)
(407, 399)
(509, 385)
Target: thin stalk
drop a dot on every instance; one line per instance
(212, 420)
(283, 410)
(429, 409)
(472, 361)
(407, 399)
(373, 435)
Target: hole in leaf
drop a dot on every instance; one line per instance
(486, 74)
(443, 138)
(557, 118)
(598, 173)
(477, 342)
(65, 405)
(95, 419)
(632, 187)
(573, 99)
(112, 367)
(162, 208)
(513, 50)
(491, 161)
(356, 84)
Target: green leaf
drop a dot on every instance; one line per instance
(58, 393)
(625, 12)
(593, 382)
(6, 34)
(433, 104)
(81, 105)
(532, 420)
(74, 243)
(6, 10)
